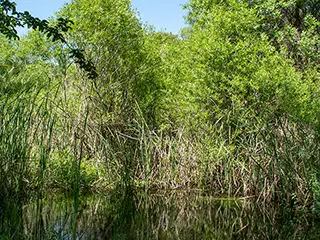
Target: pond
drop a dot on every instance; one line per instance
(160, 215)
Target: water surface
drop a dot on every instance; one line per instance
(161, 215)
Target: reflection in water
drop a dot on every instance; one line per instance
(174, 215)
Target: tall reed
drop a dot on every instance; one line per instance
(49, 138)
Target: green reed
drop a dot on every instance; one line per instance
(16, 120)
(46, 142)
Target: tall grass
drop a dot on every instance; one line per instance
(48, 140)
(19, 113)
(272, 161)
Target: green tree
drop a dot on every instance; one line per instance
(113, 37)
(292, 25)
(227, 64)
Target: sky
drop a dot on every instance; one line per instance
(166, 15)
(163, 14)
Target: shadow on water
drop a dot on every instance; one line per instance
(137, 215)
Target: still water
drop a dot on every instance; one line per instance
(161, 215)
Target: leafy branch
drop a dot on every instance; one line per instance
(10, 19)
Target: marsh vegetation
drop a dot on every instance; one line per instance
(229, 107)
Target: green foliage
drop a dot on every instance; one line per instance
(62, 172)
(226, 65)
(113, 41)
(230, 105)
(286, 23)
(10, 19)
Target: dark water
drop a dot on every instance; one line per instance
(174, 215)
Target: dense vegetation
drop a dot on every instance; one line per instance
(230, 106)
